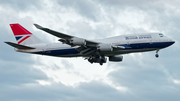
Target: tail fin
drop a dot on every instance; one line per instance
(23, 36)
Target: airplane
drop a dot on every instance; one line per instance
(95, 51)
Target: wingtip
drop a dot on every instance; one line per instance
(38, 26)
(6, 42)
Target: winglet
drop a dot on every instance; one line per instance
(38, 26)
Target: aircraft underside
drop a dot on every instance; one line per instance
(101, 57)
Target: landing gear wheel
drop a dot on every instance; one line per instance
(156, 55)
(101, 63)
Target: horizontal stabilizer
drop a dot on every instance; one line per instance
(19, 46)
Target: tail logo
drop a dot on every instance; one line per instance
(21, 38)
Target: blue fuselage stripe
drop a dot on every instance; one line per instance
(58, 52)
(133, 46)
(147, 45)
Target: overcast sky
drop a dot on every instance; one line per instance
(141, 76)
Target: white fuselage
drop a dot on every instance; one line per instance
(132, 43)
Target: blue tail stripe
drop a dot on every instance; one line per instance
(18, 37)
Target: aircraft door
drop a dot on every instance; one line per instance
(44, 50)
(150, 41)
(128, 43)
(47, 51)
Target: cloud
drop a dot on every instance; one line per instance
(30, 77)
(60, 92)
(21, 5)
(16, 73)
(87, 8)
(146, 77)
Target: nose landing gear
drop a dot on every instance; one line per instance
(157, 55)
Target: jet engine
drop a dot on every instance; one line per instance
(105, 47)
(78, 41)
(116, 58)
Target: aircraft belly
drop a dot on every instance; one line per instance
(135, 47)
(128, 51)
(139, 47)
(72, 52)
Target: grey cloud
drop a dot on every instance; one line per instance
(145, 77)
(160, 15)
(19, 73)
(93, 90)
(16, 68)
(21, 5)
(67, 64)
(88, 8)
(146, 84)
(140, 4)
(81, 29)
(128, 76)
(84, 29)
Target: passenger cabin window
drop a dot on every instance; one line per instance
(131, 37)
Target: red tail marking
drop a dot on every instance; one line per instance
(23, 39)
(19, 30)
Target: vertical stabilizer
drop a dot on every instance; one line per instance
(23, 36)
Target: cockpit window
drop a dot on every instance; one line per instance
(161, 35)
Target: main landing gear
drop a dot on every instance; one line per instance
(157, 55)
(97, 59)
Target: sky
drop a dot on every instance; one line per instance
(140, 76)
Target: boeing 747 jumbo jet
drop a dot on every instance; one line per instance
(95, 51)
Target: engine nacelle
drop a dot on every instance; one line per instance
(105, 47)
(116, 58)
(78, 41)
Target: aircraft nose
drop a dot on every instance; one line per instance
(172, 42)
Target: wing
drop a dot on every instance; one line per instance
(68, 39)
(55, 33)
(87, 47)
